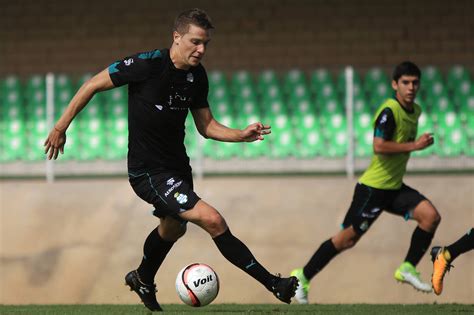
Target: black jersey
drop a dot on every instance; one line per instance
(159, 98)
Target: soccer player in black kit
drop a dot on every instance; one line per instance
(162, 86)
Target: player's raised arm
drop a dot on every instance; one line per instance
(209, 127)
(56, 139)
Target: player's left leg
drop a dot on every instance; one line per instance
(236, 252)
(417, 207)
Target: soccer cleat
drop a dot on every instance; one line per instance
(440, 258)
(301, 294)
(407, 273)
(146, 292)
(284, 288)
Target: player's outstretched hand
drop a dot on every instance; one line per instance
(255, 131)
(424, 141)
(54, 143)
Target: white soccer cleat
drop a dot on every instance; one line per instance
(407, 273)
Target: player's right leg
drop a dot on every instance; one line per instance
(363, 211)
(236, 252)
(169, 193)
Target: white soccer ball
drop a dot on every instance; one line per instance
(197, 284)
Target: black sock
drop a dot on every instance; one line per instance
(420, 242)
(155, 250)
(321, 258)
(238, 254)
(464, 244)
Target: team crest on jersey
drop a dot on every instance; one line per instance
(190, 77)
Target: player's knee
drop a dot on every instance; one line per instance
(345, 240)
(351, 242)
(215, 224)
(432, 217)
(172, 230)
(180, 231)
(435, 219)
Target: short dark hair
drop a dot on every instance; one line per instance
(194, 16)
(406, 68)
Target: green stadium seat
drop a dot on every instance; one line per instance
(319, 78)
(336, 144)
(380, 92)
(364, 143)
(310, 145)
(265, 79)
(456, 75)
(34, 84)
(462, 91)
(440, 107)
(448, 121)
(239, 79)
(292, 79)
(217, 79)
(453, 144)
(13, 147)
(10, 83)
(435, 91)
(328, 109)
(282, 143)
(431, 74)
(116, 146)
(374, 78)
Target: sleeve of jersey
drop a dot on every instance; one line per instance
(130, 69)
(200, 100)
(385, 125)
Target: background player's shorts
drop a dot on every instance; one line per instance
(369, 202)
(170, 193)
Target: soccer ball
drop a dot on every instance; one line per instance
(197, 284)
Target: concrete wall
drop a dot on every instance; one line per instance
(73, 241)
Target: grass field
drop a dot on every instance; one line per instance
(245, 309)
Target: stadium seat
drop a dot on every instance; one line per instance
(265, 79)
(319, 78)
(292, 79)
(364, 143)
(456, 75)
(217, 79)
(373, 77)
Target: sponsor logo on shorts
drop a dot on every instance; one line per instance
(181, 198)
(128, 61)
(371, 214)
(175, 185)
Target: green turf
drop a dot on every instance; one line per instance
(245, 309)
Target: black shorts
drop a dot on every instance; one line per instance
(170, 192)
(369, 202)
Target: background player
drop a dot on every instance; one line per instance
(381, 186)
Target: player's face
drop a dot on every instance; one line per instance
(191, 46)
(406, 88)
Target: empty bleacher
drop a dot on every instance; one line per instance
(305, 109)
